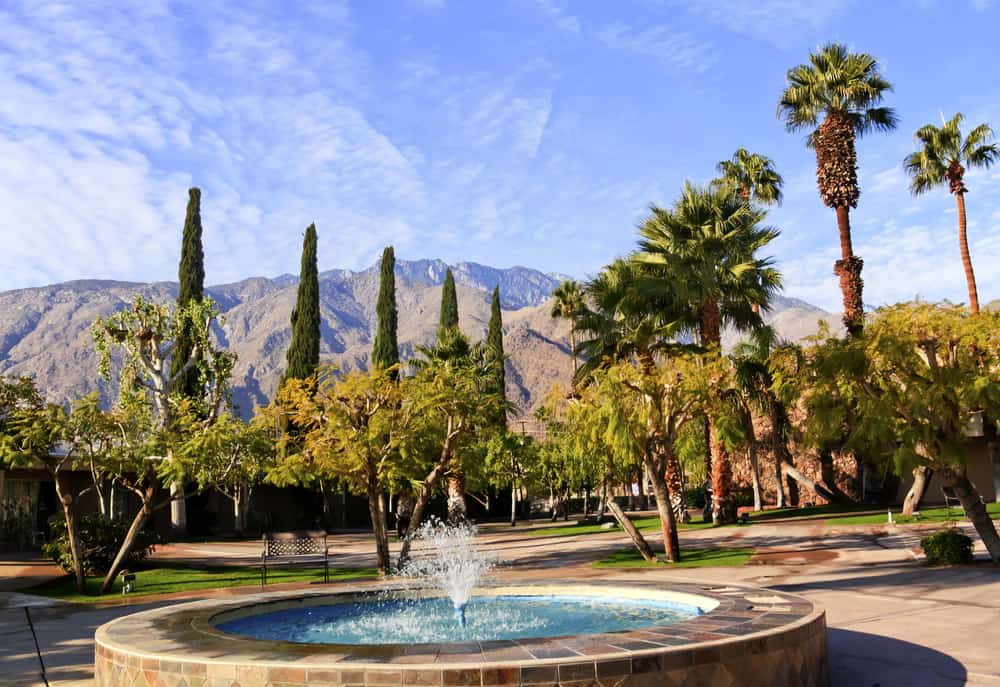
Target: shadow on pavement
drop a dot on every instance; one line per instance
(859, 659)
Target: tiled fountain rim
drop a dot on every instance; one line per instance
(184, 634)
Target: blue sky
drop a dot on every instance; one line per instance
(514, 132)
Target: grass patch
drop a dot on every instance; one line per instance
(930, 515)
(167, 578)
(649, 524)
(690, 558)
(826, 509)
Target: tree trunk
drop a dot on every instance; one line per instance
(513, 503)
(137, 524)
(425, 494)
(817, 489)
(640, 542)
(921, 479)
(706, 513)
(723, 503)
(993, 452)
(671, 543)
(974, 508)
(758, 498)
(602, 505)
(572, 346)
(643, 496)
(852, 287)
(963, 242)
(456, 495)
(375, 498)
(178, 511)
(586, 502)
(66, 501)
(238, 511)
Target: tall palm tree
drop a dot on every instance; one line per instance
(751, 176)
(942, 159)
(568, 304)
(837, 96)
(706, 247)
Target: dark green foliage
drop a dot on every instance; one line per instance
(303, 352)
(494, 346)
(947, 547)
(100, 539)
(385, 352)
(191, 275)
(449, 306)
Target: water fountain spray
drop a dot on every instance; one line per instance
(450, 560)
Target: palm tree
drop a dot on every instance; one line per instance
(706, 248)
(751, 176)
(568, 304)
(837, 96)
(943, 158)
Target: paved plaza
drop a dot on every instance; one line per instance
(892, 620)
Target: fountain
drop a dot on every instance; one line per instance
(441, 623)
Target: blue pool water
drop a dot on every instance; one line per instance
(415, 621)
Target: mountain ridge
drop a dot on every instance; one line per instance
(45, 330)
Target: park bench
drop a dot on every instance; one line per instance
(951, 499)
(287, 548)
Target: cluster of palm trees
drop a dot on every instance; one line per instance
(698, 266)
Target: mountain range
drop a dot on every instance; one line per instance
(45, 331)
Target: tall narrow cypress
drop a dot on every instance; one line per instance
(385, 352)
(303, 352)
(191, 275)
(494, 344)
(448, 320)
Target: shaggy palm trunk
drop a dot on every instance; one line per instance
(837, 178)
(640, 542)
(572, 346)
(921, 479)
(675, 487)
(723, 503)
(456, 496)
(963, 242)
(378, 527)
(975, 510)
(72, 535)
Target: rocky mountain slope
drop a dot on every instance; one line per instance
(45, 331)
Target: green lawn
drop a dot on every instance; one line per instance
(811, 511)
(931, 515)
(690, 558)
(643, 524)
(166, 578)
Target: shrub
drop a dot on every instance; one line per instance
(100, 539)
(947, 547)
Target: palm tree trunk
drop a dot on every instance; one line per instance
(723, 503)
(963, 242)
(456, 494)
(572, 345)
(675, 486)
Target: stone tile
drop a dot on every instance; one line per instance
(462, 677)
(428, 678)
(536, 675)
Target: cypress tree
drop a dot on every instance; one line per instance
(494, 344)
(303, 352)
(191, 275)
(448, 321)
(385, 352)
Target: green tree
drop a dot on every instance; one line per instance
(495, 357)
(751, 176)
(351, 428)
(143, 336)
(303, 351)
(568, 304)
(942, 159)
(448, 318)
(705, 249)
(837, 97)
(906, 390)
(385, 352)
(191, 278)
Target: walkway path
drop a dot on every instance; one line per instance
(892, 620)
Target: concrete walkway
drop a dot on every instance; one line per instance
(892, 620)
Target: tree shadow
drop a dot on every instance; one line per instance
(859, 659)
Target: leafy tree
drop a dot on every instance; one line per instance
(837, 97)
(236, 456)
(705, 249)
(942, 159)
(509, 461)
(751, 177)
(568, 304)
(151, 403)
(191, 277)
(906, 389)
(351, 428)
(385, 352)
(303, 351)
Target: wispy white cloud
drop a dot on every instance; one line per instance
(680, 49)
(773, 21)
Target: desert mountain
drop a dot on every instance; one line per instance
(45, 331)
